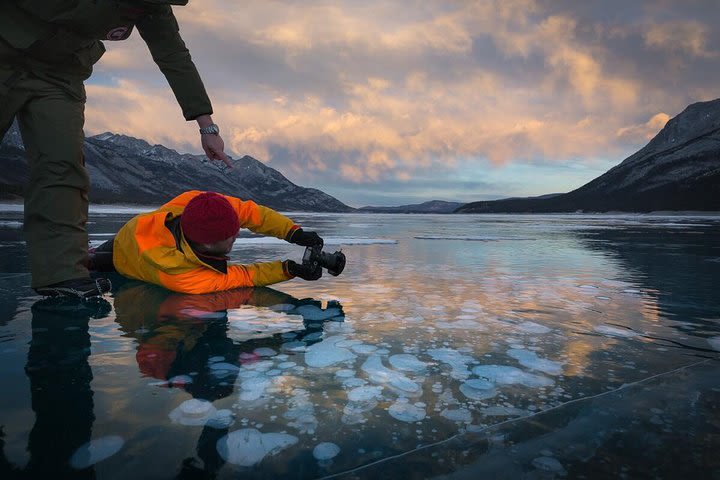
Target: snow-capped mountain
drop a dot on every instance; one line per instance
(433, 206)
(129, 170)
(679, 169)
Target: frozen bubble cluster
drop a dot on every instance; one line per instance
(407, 362)
(529, 359)
(96, 451)
(478, 389)
(325, 451)
(248, 446)
(457, 361)
(615, 331)
(193, 412)
(378, 373)
(326, 353)
(506, 375)
(406, 412)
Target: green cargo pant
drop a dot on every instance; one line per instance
(51, 117)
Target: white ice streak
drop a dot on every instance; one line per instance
(96, 451)
(249, 446)
(407, 362)
(326, 353)
(378, 373)
(325, 451)
(529, 359)
(506, 375)
(615, 332)
(193, 412)
(714, 343)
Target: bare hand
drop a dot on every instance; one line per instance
(214, 146)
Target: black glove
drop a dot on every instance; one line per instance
(306, 272)
(305, 239)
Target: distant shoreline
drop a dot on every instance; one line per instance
(13, 206)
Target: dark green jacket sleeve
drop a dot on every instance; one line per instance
(160, 31)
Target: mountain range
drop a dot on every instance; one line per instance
(129, 170)
(679, 169)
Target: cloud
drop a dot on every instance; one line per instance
(689, 37)
(644, 131)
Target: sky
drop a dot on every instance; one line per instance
(397, 102)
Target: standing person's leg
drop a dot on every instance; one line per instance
(56, 201)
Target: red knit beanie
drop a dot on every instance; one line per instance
(209, 218)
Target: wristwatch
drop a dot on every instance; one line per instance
(210, 129)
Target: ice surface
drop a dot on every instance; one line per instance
(325, 451)
(470, 238)
(10, 224)
(364, 349)
(615, 331)
(714, 343)
(530, 360)
(407, 362)
(326, 353)
(180, 380)
(96, 451)
(248, 446)
(378, 373)
(406, 412)
(328, 241)
(506, 375)
(193, 412)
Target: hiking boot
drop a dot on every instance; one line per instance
(77, 288)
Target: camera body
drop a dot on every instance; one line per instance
(333, 262)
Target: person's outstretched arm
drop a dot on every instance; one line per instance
(161, 33)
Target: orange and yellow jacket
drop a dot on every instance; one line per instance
(152, 248)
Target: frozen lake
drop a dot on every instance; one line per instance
(498, 346)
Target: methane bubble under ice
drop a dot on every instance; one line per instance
(248, 446)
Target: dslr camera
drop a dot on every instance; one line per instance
(334, 263)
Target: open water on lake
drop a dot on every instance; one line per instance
(506, 346)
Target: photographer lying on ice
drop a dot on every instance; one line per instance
(182, 246)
